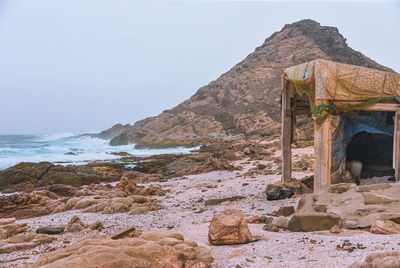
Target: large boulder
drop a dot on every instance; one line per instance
(377, 260)
(153, 249)
(356, 206)
(307, 219)
(385, 227)
(229, 227)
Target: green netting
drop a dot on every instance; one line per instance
(329, 81)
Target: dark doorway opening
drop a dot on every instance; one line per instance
(374, 151)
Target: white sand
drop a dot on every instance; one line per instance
(187, 214)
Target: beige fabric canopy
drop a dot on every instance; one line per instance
(328, 80)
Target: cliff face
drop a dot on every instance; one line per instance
(243, 100)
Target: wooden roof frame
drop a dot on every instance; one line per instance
(293, 106)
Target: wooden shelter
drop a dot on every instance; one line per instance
(323, 88)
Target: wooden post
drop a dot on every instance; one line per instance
(322, 153)
(396, 145)
(286, 134)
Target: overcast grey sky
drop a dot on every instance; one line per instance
(83, 65)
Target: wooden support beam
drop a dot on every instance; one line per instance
(322, 153)
(302, 111)
(396, 146)
(383, 107)
(286, 133)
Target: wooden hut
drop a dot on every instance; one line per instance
(323, 88)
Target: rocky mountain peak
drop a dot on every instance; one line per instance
(241, 101)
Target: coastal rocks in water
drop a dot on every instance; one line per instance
(229, 227)
(8, 228)
(151, 249)
(384, 259)
(385, 227)
(28, 205)
(24, 242)
(23, 173)
(50, 230)
(29, 176)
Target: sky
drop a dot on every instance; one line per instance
(81, 66)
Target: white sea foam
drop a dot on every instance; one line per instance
(69, 150)
(54, 137)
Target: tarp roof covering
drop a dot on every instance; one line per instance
(328, 80)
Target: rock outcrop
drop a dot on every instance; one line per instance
(385, 259)
(28, 205)
(8, 228)
(242, 101)
(350, 206)
(228, 228)
(24, 242)
(151, 249)
(27, 176)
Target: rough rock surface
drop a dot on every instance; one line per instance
(385, 227)
(129, 186)
(384, 260)
(355, 206)
(229, 227)
(151, 249)
(28, 205)
(307, 219)
(27, 176)
(8, 228)
(24, 242)
(242, 100)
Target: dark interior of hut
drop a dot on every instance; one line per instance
(374, 152)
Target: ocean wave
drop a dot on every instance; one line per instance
(54, 137)
(60, 148)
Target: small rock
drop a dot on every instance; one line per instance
(285, 211)
(385, 227)
(229, 227)
(271, 227)
(123, 234)
(213, 202)
(282, 222)
(50, 230)
(335, 230)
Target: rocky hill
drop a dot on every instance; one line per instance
(243, 101)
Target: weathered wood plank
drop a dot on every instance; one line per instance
(384, 107)
(322, 153)
(286, 133)
(396, 145)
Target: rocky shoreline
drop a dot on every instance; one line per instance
(158, 213)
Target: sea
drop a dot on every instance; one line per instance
(65, 148)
